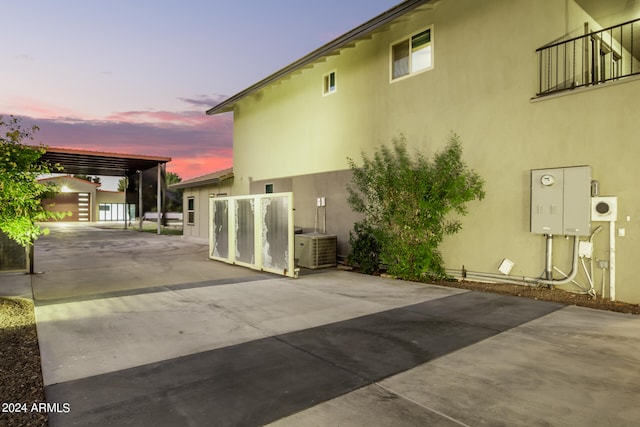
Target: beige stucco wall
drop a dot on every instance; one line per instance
(106, 197)
(335, 217)
(480, 88)
(109, 197)
(199, 230)
(74, 185)
(68, 184)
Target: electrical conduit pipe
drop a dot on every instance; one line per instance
(534, 280)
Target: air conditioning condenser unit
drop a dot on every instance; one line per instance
(316, 250)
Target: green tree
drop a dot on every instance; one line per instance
(123, 184)
(21, 194)
(173, 196)
(94, 179)
(406, 204)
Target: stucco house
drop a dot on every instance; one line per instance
(536, 89)
(85, 200)
(195, 196)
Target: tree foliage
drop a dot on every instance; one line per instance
(21, 194)
(94, 179)
(173, 195)
(406, 202)
(123, 183)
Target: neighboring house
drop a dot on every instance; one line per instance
(519, 82)
(84, 200)
(195, 196)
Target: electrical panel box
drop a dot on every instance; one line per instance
(561, 201)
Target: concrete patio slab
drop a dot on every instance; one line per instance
(574, 366)
(15, 285)
(112, 334)
(526, 376)
(84, 260)
(213, 344)
(368, 406)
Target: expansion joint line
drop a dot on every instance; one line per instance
(421, 405)
(323, 359)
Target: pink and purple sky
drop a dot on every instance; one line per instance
(137, 76)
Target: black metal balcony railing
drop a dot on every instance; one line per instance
(598, 57)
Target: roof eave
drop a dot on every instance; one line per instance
(199, 182)
(349, 37)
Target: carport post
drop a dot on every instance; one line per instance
(140, 198)
(126, 211)
(159, 197)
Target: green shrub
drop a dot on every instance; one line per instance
(406, 203)
(365, 248)
(21, 195)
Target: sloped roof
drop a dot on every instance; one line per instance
(208, 179)
(69, 178)
(347, 39)
(100, 163)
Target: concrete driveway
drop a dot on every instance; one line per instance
(142, 330)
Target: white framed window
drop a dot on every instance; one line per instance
(412, 55)
(329, 83)
(191, 211)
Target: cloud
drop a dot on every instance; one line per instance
(29, 108)
(185, 118)
(201, 165)
(23, 57)
(197, 143)
(205, 100)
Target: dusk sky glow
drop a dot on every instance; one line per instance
(137, 76)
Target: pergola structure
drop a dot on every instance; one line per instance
(108, 164)
(99, 163)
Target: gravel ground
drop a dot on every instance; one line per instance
(21, 383)
(20, 373)
(544, 293)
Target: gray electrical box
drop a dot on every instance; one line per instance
(561, 201)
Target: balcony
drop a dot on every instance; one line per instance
(598, 57)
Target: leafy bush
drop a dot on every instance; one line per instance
(21, 194)
(406, 202)
(365, 248)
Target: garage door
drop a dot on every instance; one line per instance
(79, 204)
